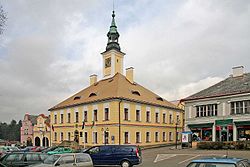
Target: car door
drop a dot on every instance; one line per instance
(83, 160)
(13, 160)
(66, 161)
(94, 153)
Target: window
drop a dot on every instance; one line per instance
(55, 135)
(61, 136)
(82, 158)
(164, 117)
(77, 97)
(95, 115)
(178, 118)
(170, 136)
(61, 118)
(206, 110)
(170, 119)
(138, 115)
(67, 159)
(247, 106)
(68, 136)
(148, 116)
(147, 137)
(77, 117)
(85, 116)
(95, 138)
(164, 136)
(68, 117)
(240, 107)
(32, 157)
(55, 119)
(197, 111)
(106, 117)
(86, 137)
(126, 114)
(126, 138)
(156, 136)
(92, 94)
(157, 117)
(14, 157)
(136, 93)
(138, 139)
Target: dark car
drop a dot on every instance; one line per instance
(17, 159)
(123, 155)
(219, 162)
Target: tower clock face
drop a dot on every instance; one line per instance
(108, 62)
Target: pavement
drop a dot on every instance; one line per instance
(171, 157)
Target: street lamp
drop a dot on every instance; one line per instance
(105, 133)
(176, 133)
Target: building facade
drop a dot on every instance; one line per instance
(41, 135)
(115, 109)
(222, 111)
(27, 129)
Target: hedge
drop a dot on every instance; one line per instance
(237, 145)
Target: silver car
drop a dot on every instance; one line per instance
(68, 160)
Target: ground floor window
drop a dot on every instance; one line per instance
(147, 137)
(95, 138)
(243, 133)
(126, 137)
(224, 133)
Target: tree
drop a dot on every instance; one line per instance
(3, 18)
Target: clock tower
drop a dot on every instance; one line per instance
(112, 57)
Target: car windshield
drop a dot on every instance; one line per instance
(51, 159)
(195, 164)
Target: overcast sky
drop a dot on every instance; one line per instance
(50, 47)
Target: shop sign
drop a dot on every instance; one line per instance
(223, 122)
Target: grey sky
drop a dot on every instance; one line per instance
(50, 47)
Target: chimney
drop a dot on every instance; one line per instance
(130, 74)
(238, 71)
(93, 79)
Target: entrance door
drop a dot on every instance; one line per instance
(37, 141)
(76, 138)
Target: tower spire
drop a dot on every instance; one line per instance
(113, 35)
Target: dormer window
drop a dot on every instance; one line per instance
(77, 97)
(92, 94)
(159, 98)
(136, 93)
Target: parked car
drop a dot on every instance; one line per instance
(22, 159)
(7, 149)
(67, 160)
(123, 155)
(2, 165)
(219, 162)
(49, 149)
(60, 150)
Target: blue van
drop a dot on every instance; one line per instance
(123, 155)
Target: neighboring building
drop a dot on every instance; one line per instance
(222, 111)
(27, 129)
(180, 104)
(42, 131)
(116, 109)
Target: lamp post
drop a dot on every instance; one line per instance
(105, 132)
(176, 133)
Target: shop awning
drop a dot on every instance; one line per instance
(242, 123)
(223, 122)
(206, 125)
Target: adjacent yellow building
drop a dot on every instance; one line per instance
(42, 132)
(115, 109)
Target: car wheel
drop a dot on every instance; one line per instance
(125, 164)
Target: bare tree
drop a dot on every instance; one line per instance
(3, 18)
